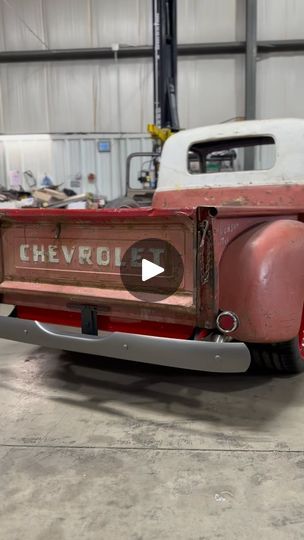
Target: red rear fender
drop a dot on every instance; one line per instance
(262, 281)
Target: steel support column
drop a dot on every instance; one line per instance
(251, 56)
(250, 82)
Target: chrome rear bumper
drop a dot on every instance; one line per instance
(188, 354)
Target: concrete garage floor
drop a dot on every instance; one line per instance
(93, 448)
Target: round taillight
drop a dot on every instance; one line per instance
(227, 322)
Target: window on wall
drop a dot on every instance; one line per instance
(233, 154)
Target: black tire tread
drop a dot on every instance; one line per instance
(122, 202)
(278, 357)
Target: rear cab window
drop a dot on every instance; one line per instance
(231, 155)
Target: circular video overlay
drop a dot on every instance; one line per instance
(152, 270)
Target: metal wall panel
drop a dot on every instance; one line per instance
(124, 96)
(280, 19)
(100, 23)
(280, 87)
(66, 157)
(68, 23)
(210, 90)
(2, 27)
(128, 22)
(22, 25)
(202, 21)
(76, 97)
(29, 24)
(24, 104)
(114, 97)
(104, 97)
(70, 88)
(3, 174)
(74, 23)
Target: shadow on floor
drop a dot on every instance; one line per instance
(245, 400)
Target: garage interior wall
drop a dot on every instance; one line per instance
(110, 97)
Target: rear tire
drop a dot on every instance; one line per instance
(280, 357)
(122, 202)
(287, 357)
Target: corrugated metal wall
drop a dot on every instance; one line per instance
(109, 97)
(70, 158)
(84, 96)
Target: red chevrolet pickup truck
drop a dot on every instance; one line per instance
(226, 226)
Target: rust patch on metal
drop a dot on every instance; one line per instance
(275, 196)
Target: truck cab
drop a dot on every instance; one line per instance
(268, 161)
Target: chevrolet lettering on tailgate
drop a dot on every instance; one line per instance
(85, 255)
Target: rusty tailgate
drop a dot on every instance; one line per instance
(61, 259)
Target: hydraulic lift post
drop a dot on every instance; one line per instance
(165, 64)
(166, 119)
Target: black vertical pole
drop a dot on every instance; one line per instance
(156, 61)
(165, 64)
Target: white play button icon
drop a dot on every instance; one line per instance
(149, 270)
(152, 270)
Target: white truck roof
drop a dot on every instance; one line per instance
(288, 167)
